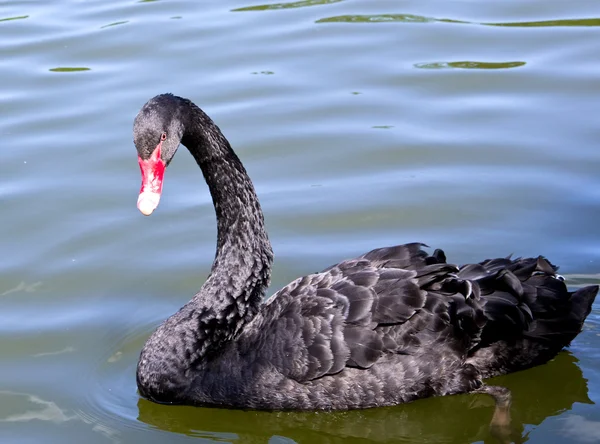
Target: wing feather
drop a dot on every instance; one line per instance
(399, 300)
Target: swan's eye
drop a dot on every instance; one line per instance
(163, 137)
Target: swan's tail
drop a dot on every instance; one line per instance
(559, 319)
(531, 314)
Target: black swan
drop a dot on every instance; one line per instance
(387, 327)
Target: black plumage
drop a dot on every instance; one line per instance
(390, 326)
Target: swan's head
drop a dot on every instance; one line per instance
(157, 132)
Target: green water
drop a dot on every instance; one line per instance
(468, 125)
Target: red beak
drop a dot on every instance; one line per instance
(153, 171)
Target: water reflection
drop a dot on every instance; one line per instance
(8, 19)
(469, 64)
(384, 18)
(23, 286)
(69, 69)
(546, 23)
(581, 428)
(287, 5)
(54, 353)
(433, 420)
(30, 408)
(411, 18)
(115, 24)
(26, 407)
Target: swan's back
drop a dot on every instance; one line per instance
(397, 324)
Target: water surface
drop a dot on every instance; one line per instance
(470, 126)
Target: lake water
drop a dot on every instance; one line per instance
(468, 125)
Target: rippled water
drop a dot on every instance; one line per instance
(471, 126)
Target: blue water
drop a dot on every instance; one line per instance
(466, 125)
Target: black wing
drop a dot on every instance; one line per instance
(400, 300)
(390, 300)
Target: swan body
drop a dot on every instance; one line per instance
(391, 326)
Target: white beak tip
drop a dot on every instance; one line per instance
(147, 202)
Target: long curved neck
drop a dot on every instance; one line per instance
(240, 274)
(241, 270)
